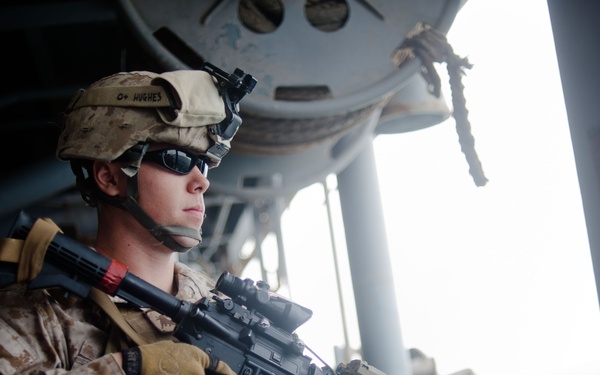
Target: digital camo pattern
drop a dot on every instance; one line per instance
(41, 332)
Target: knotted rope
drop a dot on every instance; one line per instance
(431, 46)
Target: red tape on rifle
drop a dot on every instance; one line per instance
(112, 278)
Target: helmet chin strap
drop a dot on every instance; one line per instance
(163, 233)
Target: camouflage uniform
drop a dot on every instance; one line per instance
(45, 332)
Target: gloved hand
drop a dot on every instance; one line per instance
(170, 358)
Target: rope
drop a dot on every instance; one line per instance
(431, 46)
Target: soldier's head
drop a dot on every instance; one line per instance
(179, 120)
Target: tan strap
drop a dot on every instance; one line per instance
(29, 253)
(10, 250)
(34, 248)
(113, 312)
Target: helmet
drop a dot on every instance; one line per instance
(124, 109)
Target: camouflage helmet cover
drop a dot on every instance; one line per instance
(123, 109)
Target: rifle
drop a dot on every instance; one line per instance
(251, 330)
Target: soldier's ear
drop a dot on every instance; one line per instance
(109, 178)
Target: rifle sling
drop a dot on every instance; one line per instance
(113, 312)
(29, 253)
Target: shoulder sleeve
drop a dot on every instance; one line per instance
(192, 284)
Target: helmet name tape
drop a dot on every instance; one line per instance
(135, 96)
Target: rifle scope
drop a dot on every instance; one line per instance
(280, 311)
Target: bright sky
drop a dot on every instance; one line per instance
(497, 279)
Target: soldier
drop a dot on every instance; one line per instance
(140, 145)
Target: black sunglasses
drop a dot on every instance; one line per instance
(178, 161)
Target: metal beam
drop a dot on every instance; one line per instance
(576, 28)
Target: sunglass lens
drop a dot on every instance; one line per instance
(180, 162)
(177, 161)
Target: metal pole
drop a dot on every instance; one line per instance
(343, 354)
(377, 311)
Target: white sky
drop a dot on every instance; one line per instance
(498, 278)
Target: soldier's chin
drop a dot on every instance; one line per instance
(186, 242)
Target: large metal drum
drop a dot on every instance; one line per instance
(324, 72)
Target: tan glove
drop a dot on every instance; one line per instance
(170, 358)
